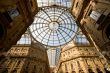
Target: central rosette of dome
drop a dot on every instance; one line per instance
(53, 26)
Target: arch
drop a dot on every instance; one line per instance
(98, 70)
(71, 66)
(14, 71)
(81, 71)
(66, 68)
(107, 31)
(90, 71)
(26, 69)
(73, 72)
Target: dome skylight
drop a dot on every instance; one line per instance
(53, 26)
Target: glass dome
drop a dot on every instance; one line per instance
(53, 26)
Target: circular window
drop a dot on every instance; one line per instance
(53, 26)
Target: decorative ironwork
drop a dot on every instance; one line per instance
(53, 26)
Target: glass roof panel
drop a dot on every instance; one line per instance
(80, 38)
(25, 39)
(65, 3)
(53, 26)
(54, 56)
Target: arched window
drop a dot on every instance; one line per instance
(66, 68)
(81, 71)
(72, 66)
(34, 69)
(72, 69)
(98, 70)
(90, 71)
(26, 69)
(73, 72)
(14, 71)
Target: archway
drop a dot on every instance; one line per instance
(107, 32)
(81, 71)
(73, 72)
(14, 71)
(98, 70)
(90, 71)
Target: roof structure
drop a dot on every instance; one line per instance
(53, 26)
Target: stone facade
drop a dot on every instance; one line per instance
(80, 59)
(15, 18)
(25, 59)
(94, 19)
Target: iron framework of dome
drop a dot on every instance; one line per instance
(53, 26)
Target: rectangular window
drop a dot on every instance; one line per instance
(90, 11)
(101, 18)
(10, 14)
(13, 12)
(7, 16)
(95, 15)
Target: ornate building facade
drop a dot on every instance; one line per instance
(25, 59)
(15, 18)
(92, 17)
(80, 59)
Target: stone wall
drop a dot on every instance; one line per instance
(80, 59)
(94, 20)
(15, 18)
(25, 59)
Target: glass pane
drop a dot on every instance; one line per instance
(65, 3)
(81, 38)
(25, 39)
(54, 26)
